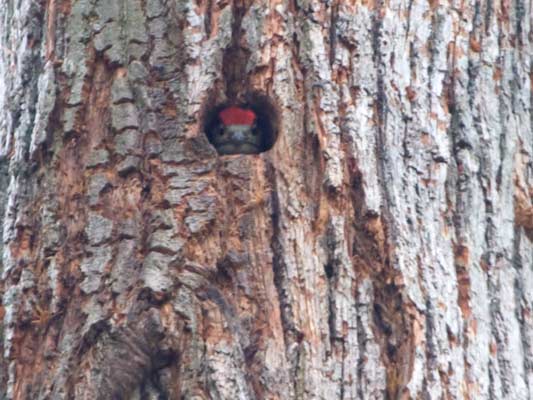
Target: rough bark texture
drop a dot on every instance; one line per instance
(381, 249)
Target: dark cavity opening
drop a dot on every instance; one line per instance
(263, 133)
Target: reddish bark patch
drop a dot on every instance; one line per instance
(524, 215)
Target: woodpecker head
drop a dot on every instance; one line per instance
(237, 132)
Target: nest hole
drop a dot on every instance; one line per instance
(266, 123)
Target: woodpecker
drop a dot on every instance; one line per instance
(237, 132)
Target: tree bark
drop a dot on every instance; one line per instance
(382, 249)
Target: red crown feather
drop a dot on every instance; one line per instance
(237, 116)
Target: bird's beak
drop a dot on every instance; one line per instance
(239, 133)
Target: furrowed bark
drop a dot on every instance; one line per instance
(381, 249)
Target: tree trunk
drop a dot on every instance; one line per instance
(382, 249)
